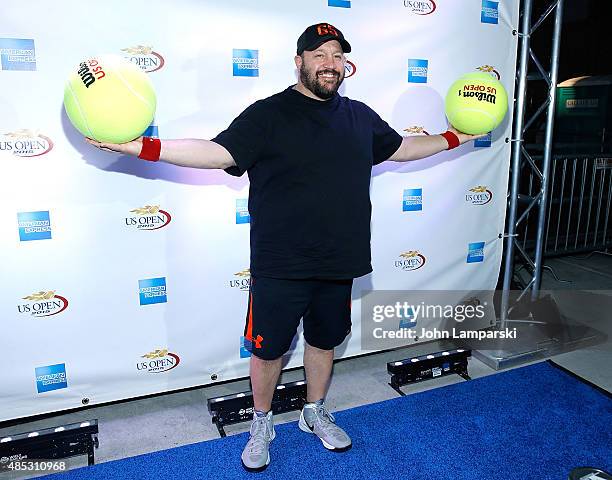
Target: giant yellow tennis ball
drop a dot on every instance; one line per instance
(476, 103)
(109, 99)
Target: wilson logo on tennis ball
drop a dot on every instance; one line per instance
(420, 8)
(43, 304)
(144, 57)
(243, 280)
(481, 92)
(25, 143)
(489, 69)
(90, 71)
(158, 361)
(410, 260)
(149, 217)
(479, 195)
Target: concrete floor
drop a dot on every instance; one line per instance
(157, 423)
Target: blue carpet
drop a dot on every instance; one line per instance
(534, 422)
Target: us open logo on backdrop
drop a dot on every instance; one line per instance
(43, 304)
(417, 70)
(51, 377)
(489, 69)
(25, 143)
(158, 361)
(349, 69)
(410, 260)
(242, 211)
(489, 12)
(152, 290)
(412, 200)
(17, 54)
(149, 217)
(245, 62)
(242, 280)
(479, 195)
(34, 226)
(475, 252)
(422, 7)
(144, 57)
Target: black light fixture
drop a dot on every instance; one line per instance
(40, 450)
(424, 367)
(238, 407)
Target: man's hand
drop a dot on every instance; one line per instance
(129, 148)
(464, 137)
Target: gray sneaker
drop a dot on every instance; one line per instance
(256, 455)
(316, 419)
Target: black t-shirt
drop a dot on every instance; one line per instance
(309, 164)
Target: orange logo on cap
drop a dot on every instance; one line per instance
(326, 29)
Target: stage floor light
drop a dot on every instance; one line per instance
(425, 367)
(238, 407)
(43, 451)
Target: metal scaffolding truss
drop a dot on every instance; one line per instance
(536, 320)
(522, 158)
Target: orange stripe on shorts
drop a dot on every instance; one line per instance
(249, 332)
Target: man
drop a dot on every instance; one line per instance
(309, 154)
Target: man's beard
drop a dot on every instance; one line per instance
(318, 86)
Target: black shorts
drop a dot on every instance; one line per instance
(277, 305)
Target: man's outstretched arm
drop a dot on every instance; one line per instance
(188, 152)
(414, 148)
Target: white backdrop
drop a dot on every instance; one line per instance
(75, 264)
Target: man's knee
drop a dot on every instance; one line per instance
(322, 349)
(266, 356)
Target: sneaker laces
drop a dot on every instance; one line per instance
(327, 422)
(324, 413)
(258, 440)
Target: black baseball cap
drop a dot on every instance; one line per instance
(316, 35)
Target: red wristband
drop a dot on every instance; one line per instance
(452, 139)
(151, 148)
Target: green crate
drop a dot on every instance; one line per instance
(583, 111)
